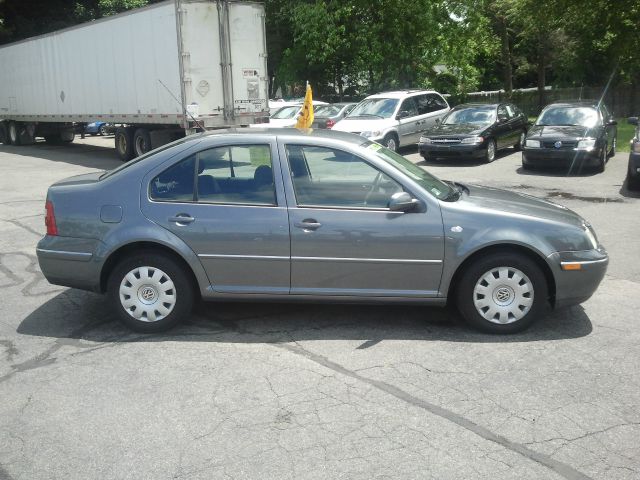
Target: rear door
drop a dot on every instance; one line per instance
(227, 203)
(503, 129)
(431, 107)
(344, 239)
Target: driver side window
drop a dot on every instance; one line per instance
(326, 177)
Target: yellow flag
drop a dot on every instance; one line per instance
(306, 116)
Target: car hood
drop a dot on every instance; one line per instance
(459, 129)
(512, 203)
(363, 124)
(561, 131)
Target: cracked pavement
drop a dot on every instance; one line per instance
(275, 391)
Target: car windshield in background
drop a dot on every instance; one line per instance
(286, 112)
(570, 116)
(327, 110)
(375, 107)
(479, 115)
(431, 184)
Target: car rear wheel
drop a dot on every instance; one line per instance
(502, 293)
(602, 160)
(614, 143)
(151, 292)
(391, 142)
(490, 155)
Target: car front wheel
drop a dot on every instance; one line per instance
(502, 293)
(151, 292)
(391, 142)
(490, 155)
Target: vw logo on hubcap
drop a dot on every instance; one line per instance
(147, 294)
(503, 294)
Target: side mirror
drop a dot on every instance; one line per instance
(612, 121)
(633, 120)
(402, 114)
(402, 202)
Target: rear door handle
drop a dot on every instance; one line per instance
(182, 219)
(308, 224)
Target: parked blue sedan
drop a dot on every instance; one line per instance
(99, 128)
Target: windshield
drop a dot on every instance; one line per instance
(286, 112)
(375, 107)
(431, 184)
(477, 115)
(573, 116)
(326, 110)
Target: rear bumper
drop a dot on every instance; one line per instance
(576, 286)
(69, 262)
(452, 151)
(560, 158)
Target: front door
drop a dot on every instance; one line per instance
(408, 122)
(227, 203)
(344, 239)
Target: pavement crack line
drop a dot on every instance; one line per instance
(556, 466)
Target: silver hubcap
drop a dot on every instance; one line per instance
(491, 151)
(503, 295)
(147, 294)
(391, 144)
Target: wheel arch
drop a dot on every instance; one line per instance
(504, 248)
(146, 246)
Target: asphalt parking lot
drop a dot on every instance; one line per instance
(309, 391)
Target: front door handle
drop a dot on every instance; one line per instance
(182, 219)
(308, 224)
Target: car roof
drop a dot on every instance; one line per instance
(400, 93)
(470, 105)
(577, 103)
(271, 132)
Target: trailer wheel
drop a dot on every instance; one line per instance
(53, 139)
(124, 143)
(141, 141)
(67, 136)
(4, 135)
(14, 133)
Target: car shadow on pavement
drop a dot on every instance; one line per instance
(84, 155)
(84, 316)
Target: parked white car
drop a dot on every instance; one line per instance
(395, 118)
(287, 116)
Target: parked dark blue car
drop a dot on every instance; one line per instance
(99, 128)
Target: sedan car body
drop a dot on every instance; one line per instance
(571, 135)
(286, 116)
(326, 116)
(633, 170)
(309, 215)
(475, 130)
(99, 128)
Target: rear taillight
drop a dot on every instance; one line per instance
(50, 219)
(330, 123)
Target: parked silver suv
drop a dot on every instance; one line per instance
(395, 118)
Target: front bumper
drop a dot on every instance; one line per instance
(560, 157)
(576, 286)
(430, 150)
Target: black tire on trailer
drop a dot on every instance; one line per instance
(4, 134)
(124, 143)
(14, 133)
(141, 142)
(67, 136)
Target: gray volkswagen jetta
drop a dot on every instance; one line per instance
(289, 215)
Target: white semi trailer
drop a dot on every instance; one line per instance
(158, 72)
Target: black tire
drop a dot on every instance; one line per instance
(391, 141)
(67, 136)
(492, 150)
(14, 133)
(53, 139)
(518, 146)
(4, 134)
(182, 290)
(124, 143)
(482, 267)
(103, 130)
(602, 160)
(141, 142)
(633, 183)
(612, 152)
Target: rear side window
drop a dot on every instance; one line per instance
(176, 183)
(234, 175)
(430, 102)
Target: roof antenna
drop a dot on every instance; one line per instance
(180, 103)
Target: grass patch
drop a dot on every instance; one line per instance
(625, 134)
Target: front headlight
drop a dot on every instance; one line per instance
(472, 140)
(370, 133)
(586, 144)
(591, 235)
(532, 143)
